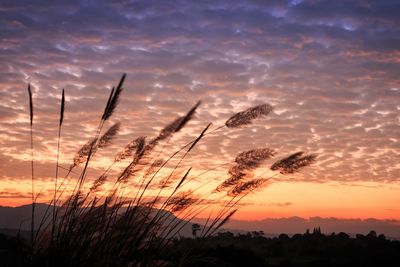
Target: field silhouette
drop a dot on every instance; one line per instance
(254, 249)
(137, 216)
(308, 249)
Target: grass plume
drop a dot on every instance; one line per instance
(294, 163)
(113, 99)
(246, 117)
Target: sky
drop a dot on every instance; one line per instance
(330, 69)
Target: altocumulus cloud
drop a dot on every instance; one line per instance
(330, 68)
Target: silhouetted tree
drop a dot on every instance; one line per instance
(195, 229)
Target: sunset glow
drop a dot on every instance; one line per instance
(333, 81)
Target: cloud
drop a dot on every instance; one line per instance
(281, 205)
(330, 69)
(4, 194)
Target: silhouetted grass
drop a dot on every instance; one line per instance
(125, 225)
(32, 167)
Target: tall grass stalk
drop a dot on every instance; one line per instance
(32, 170)
(62, 108)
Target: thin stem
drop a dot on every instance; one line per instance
(33, 194)
(55, 183)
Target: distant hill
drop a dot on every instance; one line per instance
(20, 217)
(14, 220)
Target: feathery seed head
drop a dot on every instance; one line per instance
(293, 163)
(246, 117)
(30, 104)
(106, 138)
(247, 187)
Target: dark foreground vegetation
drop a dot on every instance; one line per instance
(129, 215)
(253, 249)
(309, 249)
